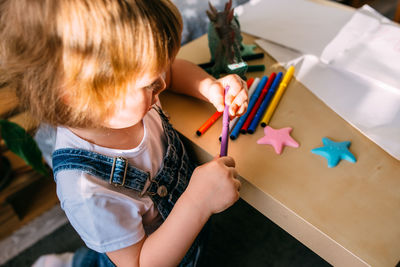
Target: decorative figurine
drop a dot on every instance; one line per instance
(225, 42)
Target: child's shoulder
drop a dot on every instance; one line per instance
(147, 156)
(65, 138)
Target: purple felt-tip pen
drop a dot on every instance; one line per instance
(225, 128)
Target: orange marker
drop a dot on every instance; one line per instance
(208, 123)
(250, 82)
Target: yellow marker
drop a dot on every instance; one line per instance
(272, 106)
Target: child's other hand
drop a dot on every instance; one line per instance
(214, 186)
(237, 97)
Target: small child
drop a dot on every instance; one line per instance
(94, 69)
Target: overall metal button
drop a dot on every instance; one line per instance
(162, 191)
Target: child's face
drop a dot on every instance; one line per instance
(142, 94)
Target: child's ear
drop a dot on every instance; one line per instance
(66, 97)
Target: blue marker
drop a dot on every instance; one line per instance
(253, 100)
(264, 104)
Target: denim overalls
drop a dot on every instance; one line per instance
(164, 189)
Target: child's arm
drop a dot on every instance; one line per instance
(212, 188)
(188, 78)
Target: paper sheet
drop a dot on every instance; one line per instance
(299, 24)
(368, 45)
(367, 98)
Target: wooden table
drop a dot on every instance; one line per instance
(349, 214)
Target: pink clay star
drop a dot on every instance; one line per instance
(277, 138)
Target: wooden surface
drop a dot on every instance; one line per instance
(349, 214)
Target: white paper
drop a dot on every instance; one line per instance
(299, 24)
(372, 108)
(368, 45)
(281, 54)
(365, 96)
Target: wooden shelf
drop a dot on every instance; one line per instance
(27, 196)
(29, 193)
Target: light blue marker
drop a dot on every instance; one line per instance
(264, 104)
(253, 100)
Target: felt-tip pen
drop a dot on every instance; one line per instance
(225, 128)
(264, 104)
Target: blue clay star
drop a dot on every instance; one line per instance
(334, 151)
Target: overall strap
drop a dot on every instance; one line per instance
(114, 170)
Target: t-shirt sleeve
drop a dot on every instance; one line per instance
(105, 220)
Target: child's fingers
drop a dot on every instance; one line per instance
(233, 110)
(236, 96)
(240, 98)
(242, 109)
(238, 184)
(235, 174)
(239, 101)
(227, 161)
(231, 95)
(217, 97)
(236, 86)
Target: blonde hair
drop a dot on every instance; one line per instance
(71, 60)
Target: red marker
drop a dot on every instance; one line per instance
(258, 103)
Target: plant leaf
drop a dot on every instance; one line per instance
(22, 144)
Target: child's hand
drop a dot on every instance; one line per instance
(213, 186)
(237, 97)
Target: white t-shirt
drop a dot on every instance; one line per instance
(109, 218)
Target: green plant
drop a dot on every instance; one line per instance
(22, 144)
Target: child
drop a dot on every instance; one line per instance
(95, 69)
